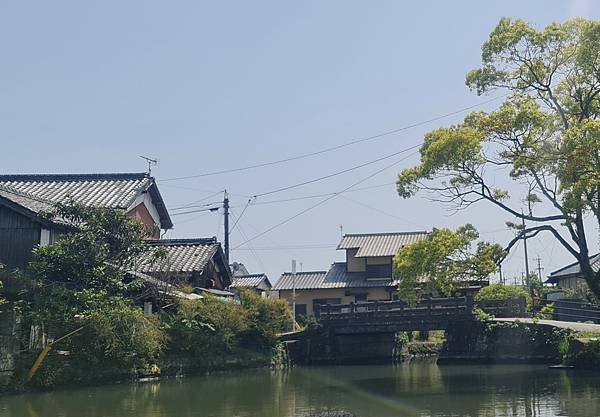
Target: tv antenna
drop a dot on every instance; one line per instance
(151, 163)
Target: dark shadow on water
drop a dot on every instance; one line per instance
(413, 389)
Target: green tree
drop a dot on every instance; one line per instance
(444, 260)
(545, 137)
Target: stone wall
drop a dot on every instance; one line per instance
(9, 344)
(502, 342)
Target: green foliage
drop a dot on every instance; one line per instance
(546, 312)
(211, 328)
(545, 137)
(94, 253)
(481, 315)
(116, 340)
(444, 260)
(583, 354)
(502, 292)
(268, 317)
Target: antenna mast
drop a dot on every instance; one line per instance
(152, 162)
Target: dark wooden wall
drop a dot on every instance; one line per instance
(18, 236)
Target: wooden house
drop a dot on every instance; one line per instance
(197, 263)
(569, 276)
(25, 199)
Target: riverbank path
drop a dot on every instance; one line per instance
(578, 327)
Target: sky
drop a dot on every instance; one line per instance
(208, 86)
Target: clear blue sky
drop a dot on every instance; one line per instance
(204, 86)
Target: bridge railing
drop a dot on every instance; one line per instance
(428, 306)
(514, 307)
(511, 307)
(575, 310)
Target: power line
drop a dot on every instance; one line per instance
(244, 236)
(289, 187)
(195, 211)
(360, 203)
(240, 216)
(289, 219)
(333, 148)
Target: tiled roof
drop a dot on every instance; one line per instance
(33, 204)
(183, 255)
(336, 277)
(93, 190)
(249, 281)
(573, 269)
(379, 244)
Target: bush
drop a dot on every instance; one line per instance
(211, 329)
(116, 340)
(503, 292)
(267, 316)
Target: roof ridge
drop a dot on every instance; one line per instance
(74, 177)
(418, 232)
(572, 264)
(305, 272)
(183, 241)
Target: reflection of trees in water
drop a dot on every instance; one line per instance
(519, 390)
(407, 389)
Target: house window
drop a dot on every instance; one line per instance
(360, 298)
(317, 303)
(300, 311)
(383, 271)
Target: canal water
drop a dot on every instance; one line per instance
(412, 389)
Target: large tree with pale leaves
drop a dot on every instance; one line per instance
(545, 137)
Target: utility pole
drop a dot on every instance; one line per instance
(293, 295)
(501, 276)
(226, 224)
(539, 268)
(527, 280)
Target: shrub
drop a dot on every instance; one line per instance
(115, 340)
(208, 328)
(502, 292)
(267, 317)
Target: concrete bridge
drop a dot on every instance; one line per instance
(365, 332)
(396, 316)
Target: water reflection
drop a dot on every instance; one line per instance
(416, 389)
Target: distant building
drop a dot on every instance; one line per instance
(25, 199)
(238, 269)
(199, 263)
(366, 275)
(569, 276)
(259, 283)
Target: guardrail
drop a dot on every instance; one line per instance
(576, 310)
(434, 307)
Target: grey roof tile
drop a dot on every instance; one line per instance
(94, 190)
(183, 255)
(249, 281)
(574, 269)
(379, 244)
(336, 277)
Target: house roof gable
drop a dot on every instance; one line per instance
(379, 244)
(115, 190)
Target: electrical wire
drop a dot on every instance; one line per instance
(334, 148)
(289, 219)
(301, 184)
(255, 203)
(240, 216)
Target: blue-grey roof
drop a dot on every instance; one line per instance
(573, 269)
(93, 190)
(249, 281)
(336, 277)
(379, 244)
